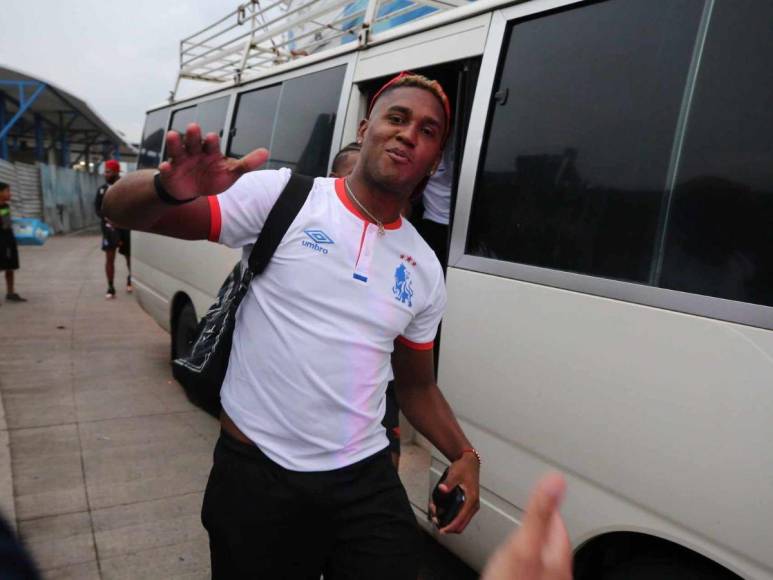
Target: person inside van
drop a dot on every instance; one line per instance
(345, 160)
(436, 199)
(302, 483)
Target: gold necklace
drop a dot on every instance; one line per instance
(379, 223)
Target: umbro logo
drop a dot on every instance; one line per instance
(317, 237)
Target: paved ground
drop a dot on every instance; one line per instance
(103, 461)
(109, 459)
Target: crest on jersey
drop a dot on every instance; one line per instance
(403, 289)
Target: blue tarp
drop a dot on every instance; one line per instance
(30, 231)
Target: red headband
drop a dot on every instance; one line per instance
(442, 97)
(113, 165)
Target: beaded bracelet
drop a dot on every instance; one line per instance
(473, 451)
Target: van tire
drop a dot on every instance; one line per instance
(633, 556)
(660, 569)
(184, 330)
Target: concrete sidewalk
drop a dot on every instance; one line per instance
(108, 459)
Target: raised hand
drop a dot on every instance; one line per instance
(540, 549)
(196, 167)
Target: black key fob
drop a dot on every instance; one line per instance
(447, 505)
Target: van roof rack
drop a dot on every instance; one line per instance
(253, 38)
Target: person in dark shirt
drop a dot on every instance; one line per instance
(9, 251)
(113, 238)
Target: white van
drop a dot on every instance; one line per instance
(610, 274)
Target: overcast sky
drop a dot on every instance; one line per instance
(121, 58)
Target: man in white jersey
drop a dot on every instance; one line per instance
(302, 482)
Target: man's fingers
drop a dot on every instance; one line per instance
(211, 144)
(252, 161)
(174, 145)
(543, 505)
(193, 139)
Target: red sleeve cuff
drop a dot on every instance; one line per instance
(416, 345)
(215, 220)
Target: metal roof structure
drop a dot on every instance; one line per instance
(43, 122)
(252, 38)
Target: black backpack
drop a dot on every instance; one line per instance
(201, 373)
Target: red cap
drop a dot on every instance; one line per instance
(442, 96)
(113, 165)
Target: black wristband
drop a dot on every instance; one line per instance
(163, 194)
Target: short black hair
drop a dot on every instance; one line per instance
(4, 186)
(343, 154)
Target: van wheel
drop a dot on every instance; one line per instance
(633, 556)
(184, 331)
(666, 569)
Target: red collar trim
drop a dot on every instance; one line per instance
(341, 192)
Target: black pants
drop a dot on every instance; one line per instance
(265, 521)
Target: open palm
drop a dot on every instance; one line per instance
(197, 167)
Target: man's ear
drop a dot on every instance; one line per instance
(361, 131)
(434, 167)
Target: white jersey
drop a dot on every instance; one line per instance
(437, 193)
(311, 350)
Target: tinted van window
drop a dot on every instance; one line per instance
(152, 139)
(305, 121)
(211, 115)
(579, 140)
(253, 120)
(181, 118)
(719, 238)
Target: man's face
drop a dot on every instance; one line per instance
(402, 140)
(111, 176)
(5, 195)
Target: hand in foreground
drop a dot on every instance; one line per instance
(464, 472)
(196, 167)
(540, 549)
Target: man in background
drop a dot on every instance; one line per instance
(436, 198)
(345, 160)
(9, 251)
(113, 238)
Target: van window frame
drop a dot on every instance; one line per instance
(749, 314)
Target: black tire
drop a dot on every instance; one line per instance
(665, 569)
(184, 332)
(639, 557)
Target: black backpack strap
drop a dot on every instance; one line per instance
(280, 217)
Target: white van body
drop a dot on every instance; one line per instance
(653, 398)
